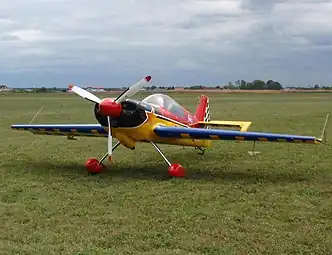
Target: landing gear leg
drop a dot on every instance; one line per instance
(174, 170)
(200, 150)
(95, 166)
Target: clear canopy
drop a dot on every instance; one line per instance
(166, 102)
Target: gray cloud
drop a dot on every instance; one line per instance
(47, 42)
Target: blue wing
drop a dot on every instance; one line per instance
(220, 134)
(92, 130)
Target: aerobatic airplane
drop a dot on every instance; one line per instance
(157, 119)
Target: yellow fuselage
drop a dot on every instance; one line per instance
(144, 133)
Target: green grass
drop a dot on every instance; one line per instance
(230, 202)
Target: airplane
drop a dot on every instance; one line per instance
(157, 119)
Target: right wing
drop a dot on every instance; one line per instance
(69, 130)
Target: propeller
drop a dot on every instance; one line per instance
(85, 94)
(109, 107)
(133, 89)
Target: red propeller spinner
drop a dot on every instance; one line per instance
(109, 107)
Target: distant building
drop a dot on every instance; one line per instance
(95, 89)
(92, 89)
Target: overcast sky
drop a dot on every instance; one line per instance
(115, 43)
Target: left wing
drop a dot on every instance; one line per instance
(220, 134)
(69, 130)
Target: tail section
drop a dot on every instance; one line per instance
(203, 109)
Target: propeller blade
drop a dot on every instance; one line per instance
(109, 140)
(133, 89)
(85, 94)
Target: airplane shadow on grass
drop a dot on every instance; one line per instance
(156, 171)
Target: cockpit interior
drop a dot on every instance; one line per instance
(166, 102)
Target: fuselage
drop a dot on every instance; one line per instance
(139, 118)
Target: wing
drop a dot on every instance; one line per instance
(69, 130)
(243, 125)
(220, 134)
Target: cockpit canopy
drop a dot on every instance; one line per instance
(166, 102)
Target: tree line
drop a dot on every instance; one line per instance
(244, 85)
(256, 85)
(238, 85)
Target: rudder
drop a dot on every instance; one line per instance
(203, 109)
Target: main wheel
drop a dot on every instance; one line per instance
(176, 170)
(93, 166)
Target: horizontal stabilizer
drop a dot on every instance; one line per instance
(242, 125)
(220, 134)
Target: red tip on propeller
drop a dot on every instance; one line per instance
(148, 78)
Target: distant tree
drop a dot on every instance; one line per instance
(243, 84)
(273, 85)
(258, 85)
(41, 90)
(197, 87)
(269, 83)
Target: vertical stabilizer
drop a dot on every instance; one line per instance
(203, 109)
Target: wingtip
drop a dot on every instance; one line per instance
(321, 140)
(148, 78)
(70, 86)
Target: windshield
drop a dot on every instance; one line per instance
(166, 102)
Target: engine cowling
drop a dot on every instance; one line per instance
(110, 108)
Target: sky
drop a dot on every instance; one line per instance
(178, 42)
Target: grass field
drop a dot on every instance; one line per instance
(278, 202)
